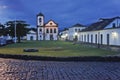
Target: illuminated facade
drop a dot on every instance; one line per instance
(103, 32)
(45, 31)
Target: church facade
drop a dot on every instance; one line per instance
(45, 31)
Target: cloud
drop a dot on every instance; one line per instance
(64, 12)
(3, 6)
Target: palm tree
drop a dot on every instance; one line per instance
(21, 28)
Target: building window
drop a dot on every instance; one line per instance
(50, 30)
(40, 30)
(47, 30)
(114, 25)
(79, 30)
(75, 30)
(54, 30)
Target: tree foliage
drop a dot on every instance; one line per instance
(2, 30)
(21, 28)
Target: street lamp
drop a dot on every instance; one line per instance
(114, 36)
(76, 36)
(15, 32)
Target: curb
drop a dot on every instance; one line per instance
(45, 58)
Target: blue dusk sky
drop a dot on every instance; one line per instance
(64, 12)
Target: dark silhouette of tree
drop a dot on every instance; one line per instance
(21, 28)
(2, 30)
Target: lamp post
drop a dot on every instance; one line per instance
(98, 39)
(76, 36)
(15, 32)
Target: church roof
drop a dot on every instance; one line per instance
(77, 25)
(51, 21)
(100, 24)
(40, 14)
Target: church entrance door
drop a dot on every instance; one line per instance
(51, 37)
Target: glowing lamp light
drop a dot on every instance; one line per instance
(66, 35)
(76, 34)
(114, 34)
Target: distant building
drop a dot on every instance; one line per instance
(72, 32)
(45, 31)
(64, 34)
(32, 35)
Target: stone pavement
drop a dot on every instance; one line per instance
(11, 69)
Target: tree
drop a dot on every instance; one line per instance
(21, 28)
(2, 30)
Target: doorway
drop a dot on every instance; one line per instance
(51, 37)
(108, 39)
(31, 38)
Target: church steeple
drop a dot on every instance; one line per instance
(40, 20)
(40, 14)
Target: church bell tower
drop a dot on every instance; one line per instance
(40, 24)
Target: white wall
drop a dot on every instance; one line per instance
(47, 35)
(72, 31)
(31, 35)
(114, 36)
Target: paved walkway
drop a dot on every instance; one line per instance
(48, 70)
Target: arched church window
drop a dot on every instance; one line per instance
(55, 31)
(40, 30)
(47, 31)
(50, 30)
(40, 20)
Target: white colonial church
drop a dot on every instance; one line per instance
(45, 31)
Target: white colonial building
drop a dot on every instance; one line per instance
(45, 31)
(64, 34)
(72, 32)
(103, 32)
(32, 35)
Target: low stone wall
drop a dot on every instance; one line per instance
(106, 47)
(81, 58)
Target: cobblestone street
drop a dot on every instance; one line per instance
(11, 69)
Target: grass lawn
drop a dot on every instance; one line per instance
(53, 48)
